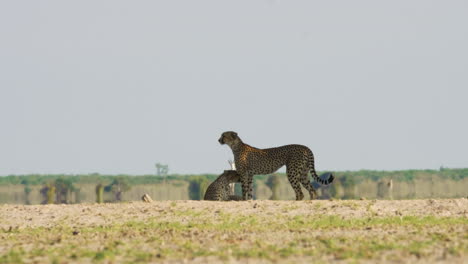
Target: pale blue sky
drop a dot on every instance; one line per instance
(116, 86)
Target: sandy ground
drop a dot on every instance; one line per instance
(22, 216)
(15, 218)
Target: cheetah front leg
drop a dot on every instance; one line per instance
(247, 186)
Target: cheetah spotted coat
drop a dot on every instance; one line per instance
(219, 189)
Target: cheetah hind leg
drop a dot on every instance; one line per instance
(294, 181)
(308, 185)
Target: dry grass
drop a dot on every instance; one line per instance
(410, 231)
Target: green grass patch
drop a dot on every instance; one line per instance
(190, 234)
(13, 256)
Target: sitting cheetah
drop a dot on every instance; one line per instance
(251, 161)
(219, 189)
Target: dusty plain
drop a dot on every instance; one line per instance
(260, 231)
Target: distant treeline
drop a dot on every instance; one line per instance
(39, 179)
(404, 184)
(67, 188)
(346, 177)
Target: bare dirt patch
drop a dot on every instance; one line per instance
(407, 231)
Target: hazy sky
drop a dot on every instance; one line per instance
(116, 86)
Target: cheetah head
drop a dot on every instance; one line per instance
(230, 138)
(232, 176)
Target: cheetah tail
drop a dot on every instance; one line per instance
(316, 177)
(322, 181)
(314, 173)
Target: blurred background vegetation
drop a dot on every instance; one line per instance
(90, 188)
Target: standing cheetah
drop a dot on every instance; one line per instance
(251, 161)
